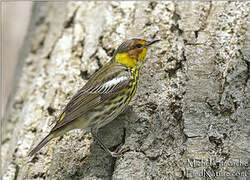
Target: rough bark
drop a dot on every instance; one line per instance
(193, 103)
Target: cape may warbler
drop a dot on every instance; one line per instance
(105, 95)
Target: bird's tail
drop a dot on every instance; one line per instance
(41, 144)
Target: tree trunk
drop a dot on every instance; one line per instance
(189, 119)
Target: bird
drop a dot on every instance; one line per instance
(105, 95)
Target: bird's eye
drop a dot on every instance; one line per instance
(138, 45)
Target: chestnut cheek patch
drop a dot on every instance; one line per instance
(135, 52)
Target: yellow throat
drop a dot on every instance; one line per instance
(127, 60)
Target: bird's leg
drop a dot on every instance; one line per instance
(94, 132)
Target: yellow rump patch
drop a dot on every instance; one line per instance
(62, 117)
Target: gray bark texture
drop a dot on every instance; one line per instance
(189, 118)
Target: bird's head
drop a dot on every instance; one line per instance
(132, 52)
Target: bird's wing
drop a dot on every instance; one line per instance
(103, 84)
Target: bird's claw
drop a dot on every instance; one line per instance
(117, 152)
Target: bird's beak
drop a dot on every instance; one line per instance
(151, 42)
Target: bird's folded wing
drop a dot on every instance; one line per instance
(105, 83)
